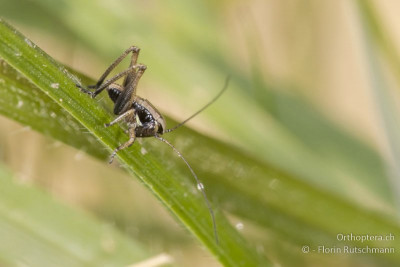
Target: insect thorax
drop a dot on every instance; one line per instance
(151, 121)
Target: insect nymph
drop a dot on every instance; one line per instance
(141, 117)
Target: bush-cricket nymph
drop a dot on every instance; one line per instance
(141, 117)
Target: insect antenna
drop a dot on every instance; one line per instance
(200, 186)
(203, 108)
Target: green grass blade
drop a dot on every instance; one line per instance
(240, 183)
(35, 230)
(24, 102)
(330, 157)
(176, 192)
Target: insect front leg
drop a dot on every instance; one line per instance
(132, 138)
(129, 116)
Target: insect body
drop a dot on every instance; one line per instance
(142, 118)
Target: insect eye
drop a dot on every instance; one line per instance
(160, 129)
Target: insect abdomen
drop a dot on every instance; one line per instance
(113, 93)
(143, 114)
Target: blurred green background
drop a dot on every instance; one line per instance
(313, 102)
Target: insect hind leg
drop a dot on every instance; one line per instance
(135, 53)
(99, 86)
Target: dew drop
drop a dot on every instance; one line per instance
(273, 184)
(239, 226)
(78, 156)
(55, 85)
(20, 103)
(29, 42)
(200, 186)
